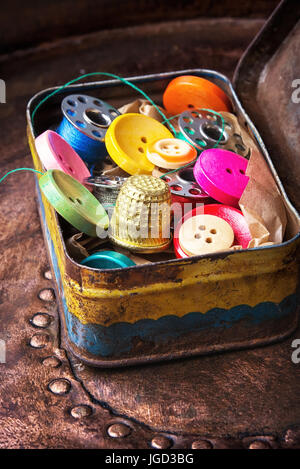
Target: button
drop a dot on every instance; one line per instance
(191, 92)
(236, 220)
(231, 215)
(170, 153)
(203, 234)
(222, 174)
(74, 202)
(107, 260)
(127, 138)
(56, 153)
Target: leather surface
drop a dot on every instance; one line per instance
(229, 400)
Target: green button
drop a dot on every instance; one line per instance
(74, 202)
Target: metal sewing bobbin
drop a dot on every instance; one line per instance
(182, 184)
(106, 188)
(204, 130)
(84, 125)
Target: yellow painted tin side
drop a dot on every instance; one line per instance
(49, 211)
(199, 287)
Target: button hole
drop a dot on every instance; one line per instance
(194, 191)
(202, 227)
(213, 231)
(189, 130)
(176, 187)
(229, 170)
(81, 124)
(208, 240)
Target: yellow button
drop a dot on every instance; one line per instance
(170, 153)
(205, 234)
(127, 138)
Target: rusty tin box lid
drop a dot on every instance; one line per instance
(267, 81)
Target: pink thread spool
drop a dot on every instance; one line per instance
(222, 175)
(56, 153)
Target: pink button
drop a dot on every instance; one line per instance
(222, 175)
(56, 153)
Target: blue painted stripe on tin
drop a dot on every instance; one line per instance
(117, 338)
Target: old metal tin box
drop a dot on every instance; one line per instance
(175, 308)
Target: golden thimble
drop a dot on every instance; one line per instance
(141, 217)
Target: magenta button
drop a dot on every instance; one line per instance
(56, 153)
(222, 175)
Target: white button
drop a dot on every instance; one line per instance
(172, 147)
(205, 234)
(170, 153)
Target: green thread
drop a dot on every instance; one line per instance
(20, 169)
(111, 75)
(170, 118)
(201, 109)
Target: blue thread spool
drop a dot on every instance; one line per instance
(84, 125)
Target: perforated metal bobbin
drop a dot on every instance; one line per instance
(90, 115)
(204, 130)
(106, 188)
(182, 183)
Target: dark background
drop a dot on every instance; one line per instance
(27, 23)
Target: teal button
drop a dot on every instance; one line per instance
(107, 260)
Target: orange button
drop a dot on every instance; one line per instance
(189, 92)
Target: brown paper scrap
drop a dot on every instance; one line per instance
(80, 246)
(142, 106)
(262, 204)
